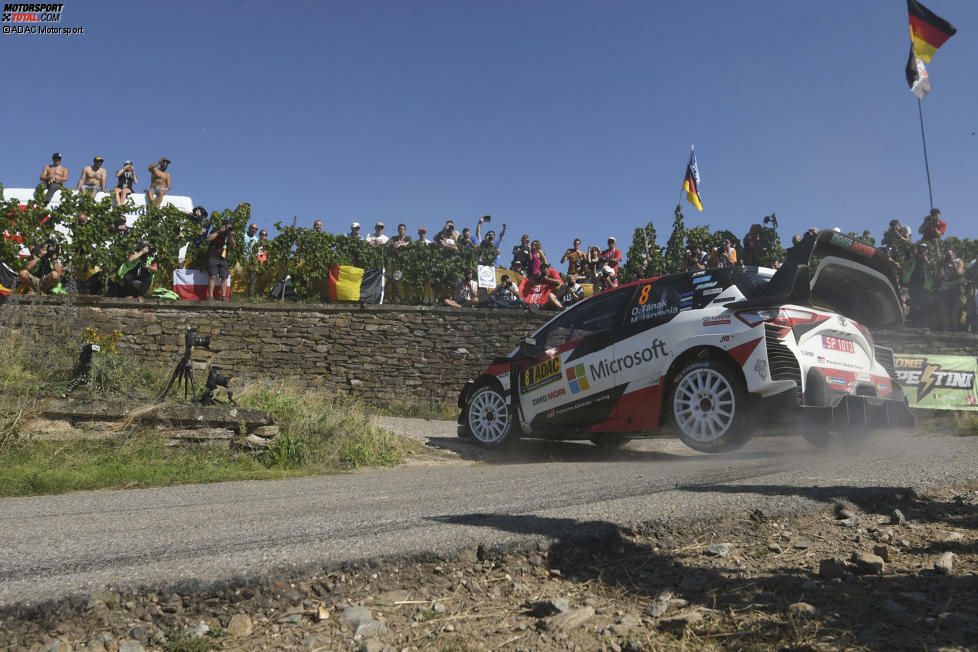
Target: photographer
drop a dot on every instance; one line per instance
(127, 177)
(138, 271)
(933, 228)
(43, 271)
(723, 256)
(918, 278)
(605, 276)
(694, 259)
(219, 242)
(949, 302)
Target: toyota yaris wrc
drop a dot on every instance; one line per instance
(708, 353)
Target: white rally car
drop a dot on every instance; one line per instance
(708, 352)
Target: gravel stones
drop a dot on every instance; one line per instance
(882, 551)
(832, 568)
(568, 620)
(868, 563)
(897, 517)
(240, 625)
(718, 549)
(802, 610)
(549, 607)
(945, 563)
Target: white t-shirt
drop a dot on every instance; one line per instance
(377, 239)
(465, 291)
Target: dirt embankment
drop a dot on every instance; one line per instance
(895, 571)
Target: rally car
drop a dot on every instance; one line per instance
(709, 353)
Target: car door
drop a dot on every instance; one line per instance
(561, 390)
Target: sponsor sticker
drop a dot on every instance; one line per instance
(583, 403)
(539, 375)
(577, 379)
(712, 291)
(926, 375)
(543, 398)
(835, 380)
(702, 279)
(716, 320)
(610, 366)
(654, 310)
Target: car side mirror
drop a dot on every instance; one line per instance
(528, 348)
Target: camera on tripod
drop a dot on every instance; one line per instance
(192, 339)
(216, 379)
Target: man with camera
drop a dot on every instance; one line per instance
(694, 259)
(138, 271)
(43, 271)
(949, 301)
(723, 256)
(219, 242)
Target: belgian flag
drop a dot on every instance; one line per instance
(928, 31)
(347, 283)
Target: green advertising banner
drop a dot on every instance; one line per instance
(938, 382)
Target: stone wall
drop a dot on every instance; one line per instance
(381, 354)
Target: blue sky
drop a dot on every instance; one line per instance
(561, 118)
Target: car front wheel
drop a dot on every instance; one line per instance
(710, 408)
(488, 418)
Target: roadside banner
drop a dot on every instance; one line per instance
(938, 382)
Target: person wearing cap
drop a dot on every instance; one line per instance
(53, 177)
(355, 231)
(92, 179)
(159, 182)
(377, 237)
(402, 238)
(423, 235)
(612, 254)
(127, 177)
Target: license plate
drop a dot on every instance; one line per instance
(838, 344)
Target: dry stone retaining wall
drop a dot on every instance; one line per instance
(381, 354)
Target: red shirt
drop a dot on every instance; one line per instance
(614, 256)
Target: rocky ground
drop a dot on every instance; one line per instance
(881, 570)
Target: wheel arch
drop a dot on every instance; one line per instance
(689, 356)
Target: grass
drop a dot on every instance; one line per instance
(947, 422)
(320, 432)
(445, 410)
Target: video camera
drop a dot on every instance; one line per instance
(771, 219)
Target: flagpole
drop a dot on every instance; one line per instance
(930, 192)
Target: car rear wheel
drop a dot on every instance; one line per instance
(710, 408)
(488, 418)
(609, 442)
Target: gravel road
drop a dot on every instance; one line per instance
(65, 546)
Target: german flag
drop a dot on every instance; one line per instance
(691, 184)
(928, 31)
(347, 283)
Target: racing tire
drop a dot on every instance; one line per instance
(710, 408)
(488, 419)
(610, 442)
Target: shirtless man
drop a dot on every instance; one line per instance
(92, 179)
(53, 176)
(159, 183)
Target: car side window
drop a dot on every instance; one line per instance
(658, 302)
(595, 315)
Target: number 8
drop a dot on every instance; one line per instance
(643, 298)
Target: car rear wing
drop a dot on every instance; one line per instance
(851, 278)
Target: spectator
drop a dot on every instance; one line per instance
(218, 243)
(159, 182)
(489, 246)
(570, 292)
(550, 277)
(121, 227)
(467, 241)
(377, 237)
(138, 271)
(933, 228)
(92, 179)
(53, 177)
(918, 277)
(575, 258)
(478, 231)
(896, 234)
(949, 292)
(317, 226)
(466, 292)
(695, 259)
(970, 305)
(447, 237)
(401, 238)
(506, 294)
(723, 256)
(263, 236)
(521, 253)
(261, 251)
(251, 237)
(518, 268)
(605, 278)
(198, 215)
(423, 235)
(795, 240)
(43, 271)
(123, 188)
(612, 254)
(593, 260)
(82, 219)
(537, 257)
(355, 231)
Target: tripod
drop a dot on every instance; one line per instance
(183, 374)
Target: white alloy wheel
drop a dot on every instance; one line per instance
(711, 409)
(488, 419)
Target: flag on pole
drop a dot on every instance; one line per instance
(691, 184)
(917, 76)
(928, 31)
